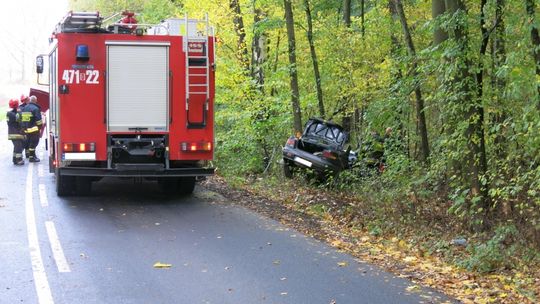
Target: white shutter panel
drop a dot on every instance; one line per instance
(137, 85)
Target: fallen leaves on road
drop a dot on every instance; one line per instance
(160, 265)
(342, 264)
(395, 254)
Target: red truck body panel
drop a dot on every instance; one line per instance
(82, 107)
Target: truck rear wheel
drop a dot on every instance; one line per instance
(64, 184)
(186, 185)
(83, 185)
(177, 185)
(168, 184)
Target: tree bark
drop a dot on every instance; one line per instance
(438, 7)
(295, 94)
(273, 91)
(478, 109)
(314, 58)
(258, 53)
(535, 39)
(363, 23)
(499, 82)
(347, 12)
(420, 115)
(474, 112)
(238, 21)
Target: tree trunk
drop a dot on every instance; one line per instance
(258, 53)
(474, 112)
(347, 12)
(420, 115)
(438, 8)
(363, 24)
(535, 39)
(238, 21)
(314, 59)
(273, 91)
(397, 75)
(295, 94)
(499, 82)
(478, 109)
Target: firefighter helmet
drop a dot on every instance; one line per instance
(13, 103)
(24, 98)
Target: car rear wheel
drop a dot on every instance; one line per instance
(287, 170)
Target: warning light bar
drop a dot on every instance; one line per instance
(201, 146)
(79, 147)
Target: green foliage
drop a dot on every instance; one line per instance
(495, 254)
(368, 78)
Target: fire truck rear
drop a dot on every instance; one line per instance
(130, 100)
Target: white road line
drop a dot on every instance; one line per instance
(40, 170)
(43, 196)
(58, 253)
(40, 276)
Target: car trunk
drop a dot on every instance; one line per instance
(322, 136)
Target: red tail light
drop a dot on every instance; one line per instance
(79, 147)
(291, 141)
(201, 146)
(329, 154)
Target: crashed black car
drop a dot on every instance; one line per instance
(321, 148)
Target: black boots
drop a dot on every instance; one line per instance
(32, 156)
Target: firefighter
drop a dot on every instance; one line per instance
(31, 123)
(24, 101)
(15, 133)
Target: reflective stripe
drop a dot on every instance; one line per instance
(26, 116)
(30, 149)
(15, 136)
(32, 129)
(39, 122)
(18, 155)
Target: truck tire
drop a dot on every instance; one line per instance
(186, 185)
(83, 185)
(168, 185)
(64, 184)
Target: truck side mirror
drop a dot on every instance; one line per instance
(39, 64)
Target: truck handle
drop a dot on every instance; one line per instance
(104, 96)
(171, 99)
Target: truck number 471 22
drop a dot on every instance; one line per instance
(77, 76)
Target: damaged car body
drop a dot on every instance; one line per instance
(320, 148)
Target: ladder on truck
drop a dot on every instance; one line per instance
(197, 33)
(80, 22)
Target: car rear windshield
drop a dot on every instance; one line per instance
(332, 134)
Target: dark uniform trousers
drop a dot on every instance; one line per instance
(32, 140)
(18, 146)
(15, 135)
(31, 123)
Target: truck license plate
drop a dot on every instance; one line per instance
(302, 161)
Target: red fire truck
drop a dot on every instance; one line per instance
(130, 100)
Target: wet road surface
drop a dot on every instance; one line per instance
(103, 249)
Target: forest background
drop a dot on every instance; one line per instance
(458, 81)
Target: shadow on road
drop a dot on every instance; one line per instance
(129, 192)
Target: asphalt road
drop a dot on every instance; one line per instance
(103, 249)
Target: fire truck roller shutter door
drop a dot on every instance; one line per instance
(137, 86)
